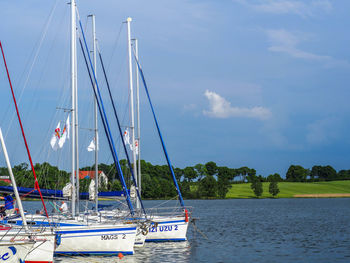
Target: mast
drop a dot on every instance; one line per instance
(132, 127)
(13, 181)
(73, 83)
(94, 40)
(138, 116)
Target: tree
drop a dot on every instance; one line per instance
(190, 174)
(273, 188)
(115, 185)
(201, 171)
(178, 173)
(343, 174)
(223, 183)
(297, 173)
(211, 168)
(186, 189)
(207, 187)
(257, 188)
(244, 172)
(274, 178)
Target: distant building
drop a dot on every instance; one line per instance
(5, 178)
(91, 175)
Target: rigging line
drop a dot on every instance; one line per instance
(121, 134)
(159, 133)
(47, 24)
(34, 106)
(116, 43)
(36, 184)
(120, 68)
(105, 122)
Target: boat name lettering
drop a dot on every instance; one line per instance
(164, 228)
(8, 255)
(109, 237)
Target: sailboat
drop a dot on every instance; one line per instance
(23, 243)
(171, 224)
(166, 226)
(74, 235)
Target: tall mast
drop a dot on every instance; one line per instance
(13, 181)
(94, 40)
(77, 181)
(132, 127)
(73, 83)
(138, 116)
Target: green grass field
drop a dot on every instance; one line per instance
(289, 189)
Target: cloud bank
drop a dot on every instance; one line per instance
(287, 42)
(300, 8)
(219, 107)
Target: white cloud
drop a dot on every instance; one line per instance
(221, 108)
(301, 8)
(284, 41)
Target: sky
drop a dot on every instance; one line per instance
(262, 84)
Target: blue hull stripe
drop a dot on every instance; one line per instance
(94, 230)
(38, 223)
(169, 222)
(166, 240)
(96, 235)
(92, 253)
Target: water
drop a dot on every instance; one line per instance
(266, 230)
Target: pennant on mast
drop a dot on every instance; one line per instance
(55, 137)
(65, 133)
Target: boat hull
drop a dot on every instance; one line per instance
(35, 247)
(79, 239)
(95, 240)
(167, 229)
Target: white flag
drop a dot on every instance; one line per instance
(65, 133)
(126, 137)
(91, 146)
(137, 146)
(55, 137)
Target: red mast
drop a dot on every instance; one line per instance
(36, 184)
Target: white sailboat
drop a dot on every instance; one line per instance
(77, 236)
(166, 226)
(23, 243)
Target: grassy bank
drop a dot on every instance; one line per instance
(289, 189)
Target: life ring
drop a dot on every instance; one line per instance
(144, 232)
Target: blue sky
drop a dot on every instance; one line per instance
(262, 84)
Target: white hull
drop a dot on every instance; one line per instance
(96, 240)
(36, 247)
(80, 238)
(167, 229)
(14, 251)
(140, 238)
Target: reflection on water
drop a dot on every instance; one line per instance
(151, 252)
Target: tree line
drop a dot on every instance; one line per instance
(200, 181)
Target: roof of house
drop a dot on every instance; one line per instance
(88, 174)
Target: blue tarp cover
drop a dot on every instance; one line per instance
(54, 194)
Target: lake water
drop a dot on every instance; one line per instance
(253, 230)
